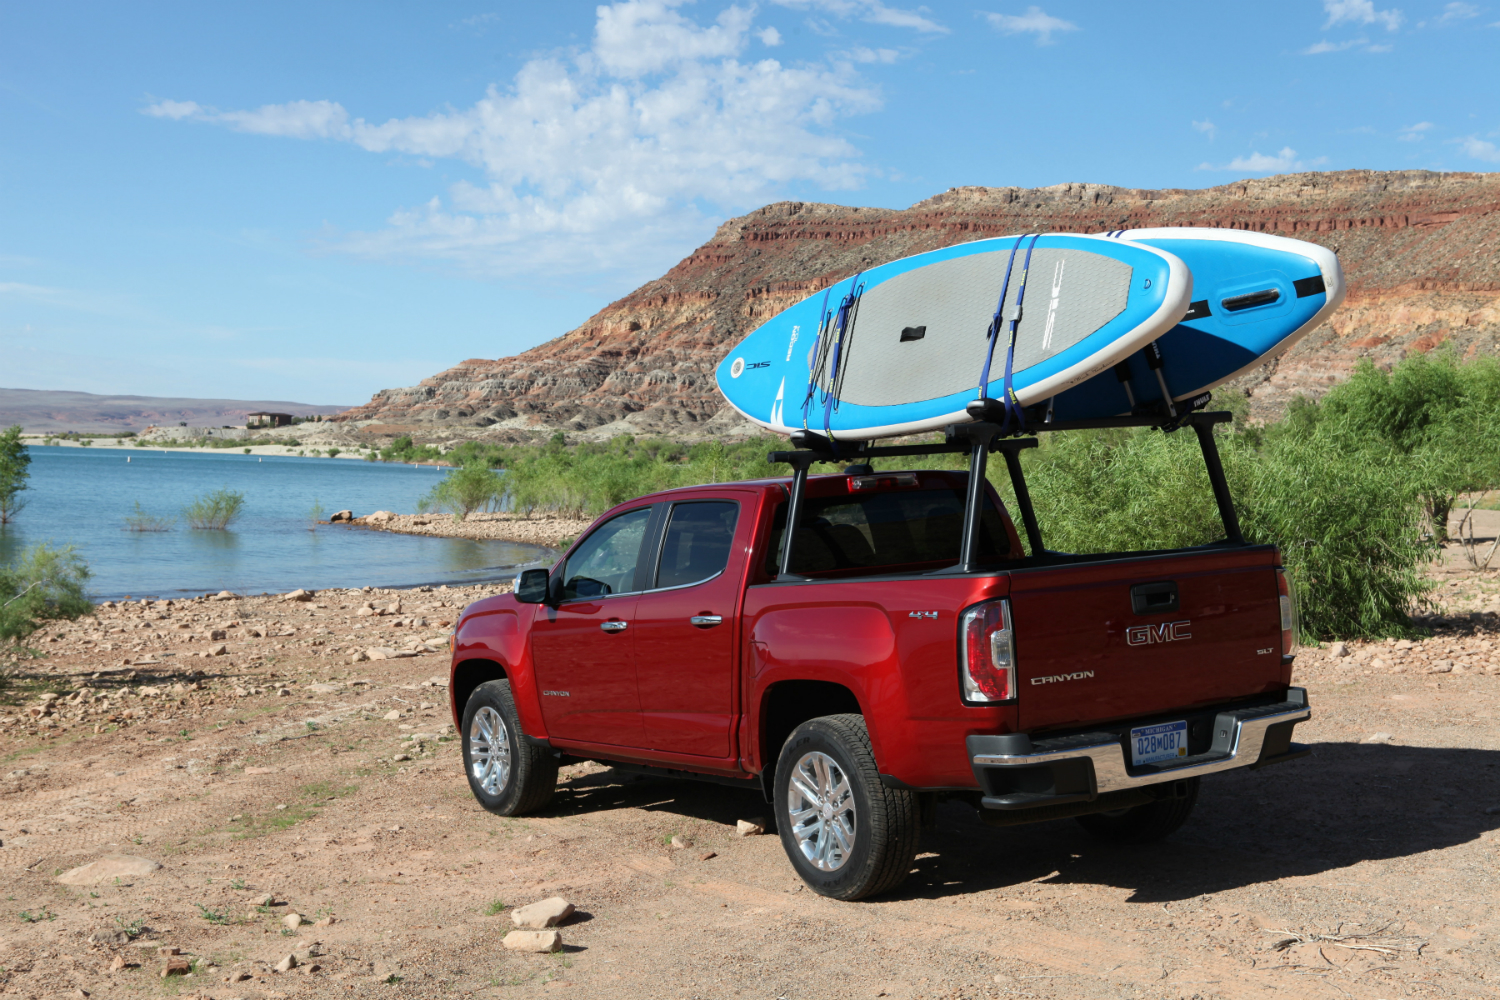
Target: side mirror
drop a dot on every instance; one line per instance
(532, 586)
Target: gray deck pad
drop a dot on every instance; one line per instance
(1070, 294)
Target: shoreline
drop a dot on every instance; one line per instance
(547, 530)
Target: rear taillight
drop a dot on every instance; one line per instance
(1289, 623)
(987, 657)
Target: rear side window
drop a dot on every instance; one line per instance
(605, 562)
(885, 531)
(696, 544)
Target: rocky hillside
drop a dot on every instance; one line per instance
(1418, 248)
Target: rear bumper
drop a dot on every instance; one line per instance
(1016, 773)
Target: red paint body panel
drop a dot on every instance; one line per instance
(1223, 642)
(697, 695)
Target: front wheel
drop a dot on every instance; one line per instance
(847, 834)
(507, 774)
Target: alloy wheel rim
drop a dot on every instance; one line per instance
(820, 805)
(489, 750)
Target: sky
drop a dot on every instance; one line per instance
(315, 201)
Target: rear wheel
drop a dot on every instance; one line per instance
(1143, 824)
(847, 834)
(507, 774)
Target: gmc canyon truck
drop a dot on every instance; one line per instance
(903, 646)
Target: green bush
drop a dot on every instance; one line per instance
(14, 460)
(463, 491)
(45, 583)
(215, 511)
(142, 521)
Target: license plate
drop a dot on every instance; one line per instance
(1153, 744)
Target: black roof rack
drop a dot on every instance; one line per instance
(978, 439)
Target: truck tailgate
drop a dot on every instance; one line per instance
(1133, 637)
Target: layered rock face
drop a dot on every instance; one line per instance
(1417, 247)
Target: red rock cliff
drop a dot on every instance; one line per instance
(1417, 247)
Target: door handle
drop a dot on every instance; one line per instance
(614, 626)
(707, 621)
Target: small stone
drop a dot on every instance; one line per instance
(392, 715)
(323, 922)
(708, 855)
(108, 868)
(239, 977)
(287, 963)
(255, 633)
(366, 611)
(298, 595)
(1377, 738)
(1441, 667)
(219, 650)
(117, 964)
(169, 949)
(224, 595)
(292, 920)
(215, 635)
(536, 941)
(545, 913)
(176, 967)
(750, 827)
(401, 756)
(680, 843)
(1338, 650)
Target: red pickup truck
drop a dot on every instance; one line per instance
(917, 650)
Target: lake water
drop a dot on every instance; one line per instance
(83, 495)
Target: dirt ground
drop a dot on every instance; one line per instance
(277, 767)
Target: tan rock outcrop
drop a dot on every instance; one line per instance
(1417, 247)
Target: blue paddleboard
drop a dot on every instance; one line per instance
(1254, 296)
(902, 347)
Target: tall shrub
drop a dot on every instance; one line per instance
(43, 584)
(14, 471)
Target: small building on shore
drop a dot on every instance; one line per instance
(263, 419)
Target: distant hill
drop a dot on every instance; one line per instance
(48, 411)
(1418, 249)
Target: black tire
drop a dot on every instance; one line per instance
(1143, 824)
(886, 821)
(531, 779)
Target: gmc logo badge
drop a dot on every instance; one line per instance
(1145, 635)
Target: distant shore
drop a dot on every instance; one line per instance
(278, 450)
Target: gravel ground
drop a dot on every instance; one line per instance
(1366, 871)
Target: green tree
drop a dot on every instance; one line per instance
(465, 490)
(45, 583)
(14, 459)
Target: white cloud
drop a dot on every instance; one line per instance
(1260, 163)
(175, 110)
(1361, 12)
(606, 161)
(1413, 133)
(1455, 12)
(1207, 128)
(1034, 22)
(871, 12)
(860, 54)
(647, 36)
(769, 37)
(1362, 44)
(1480, 150)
